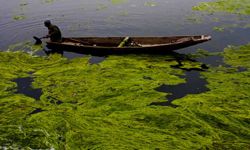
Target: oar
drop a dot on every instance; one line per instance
(38, 40)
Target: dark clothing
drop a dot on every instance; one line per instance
(55, 33)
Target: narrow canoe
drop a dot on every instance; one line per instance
(125, 45)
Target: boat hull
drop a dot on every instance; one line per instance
(109, 45)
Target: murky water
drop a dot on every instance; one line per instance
(21, 20)
(194, 85)
(24, 86)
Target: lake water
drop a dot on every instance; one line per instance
(20, 20)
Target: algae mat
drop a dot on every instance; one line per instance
(241, 7)
(231, 13)
(107, 105)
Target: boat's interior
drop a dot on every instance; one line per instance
(131, 42)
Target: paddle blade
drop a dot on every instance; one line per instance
(38, 40)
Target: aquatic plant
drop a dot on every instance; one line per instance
(19, 14)
(239, 8)
(19, 17)
(230, 6)
(48, 1)
(150, 4)
(101, 7)
(107, 105)
(117, 2)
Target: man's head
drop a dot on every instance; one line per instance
(47, 23)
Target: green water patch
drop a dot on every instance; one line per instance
(202, 53)
(19, 14)
(229, 96)
(239, 8)
(237, 56)
(229, 28)
(107, 105)
(101, 7)
(26, 46)
(19, 17)
(47, 1)
(118, 2)
(150, 4)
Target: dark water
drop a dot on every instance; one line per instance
(24, 86)
(119, 18)
(194, 85)
(37, 110)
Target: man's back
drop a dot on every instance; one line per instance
(55, 33)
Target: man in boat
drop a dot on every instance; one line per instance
(54, 32)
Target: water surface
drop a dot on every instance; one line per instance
(20, 20)
(24, 86)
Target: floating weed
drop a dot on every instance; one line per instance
(237, 56)
(48, 1)
(27, 46)
(107, 105)
(101, 7)
(240, 8)
(229, 6)
(219, 29)
(224, 108)
(150, 4)
(19, 17)
(202, 53)
(247, 26)
(20, 13)
(224, 27)
(215, 19)
(117, 2)
(24, 4)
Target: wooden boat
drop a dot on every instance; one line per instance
(125, 45)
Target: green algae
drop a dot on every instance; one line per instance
(26, 46)
(237, 56)
(225, 107)
(225, 27)
(202, 53)
(48, 1)
(241, 7)
(107, 105)
(219, 29)
(19, 14)
(117, 2)
(101, 7)
(150, 4)
(19, 17)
